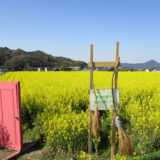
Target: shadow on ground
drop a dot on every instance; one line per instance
(34, 153)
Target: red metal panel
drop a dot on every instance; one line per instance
(10, 116)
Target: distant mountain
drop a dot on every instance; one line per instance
(141, 66)
(18, 59)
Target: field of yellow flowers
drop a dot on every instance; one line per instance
(55, 106)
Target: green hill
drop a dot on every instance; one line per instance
(18, 59)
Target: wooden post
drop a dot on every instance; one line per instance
(117, 61)
(117, 51)
(90, 112)
(114, 112)
(91, 69)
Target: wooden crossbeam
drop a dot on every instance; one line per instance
(92, 64)
(101, 64)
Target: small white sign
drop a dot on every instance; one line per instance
(102, 98)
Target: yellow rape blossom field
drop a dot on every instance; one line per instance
(55, 107)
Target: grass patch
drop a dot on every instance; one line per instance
(152, 156)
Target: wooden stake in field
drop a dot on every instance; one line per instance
(124, 142)
(93, 65)
(90, 112)
(125, 145)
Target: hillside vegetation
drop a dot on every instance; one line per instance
(18, 59)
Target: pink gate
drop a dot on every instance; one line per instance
(10, 116)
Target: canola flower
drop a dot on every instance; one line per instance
(56, 103)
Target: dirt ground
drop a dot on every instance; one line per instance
(32, 153)
(5, 153)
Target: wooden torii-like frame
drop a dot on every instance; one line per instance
(91, 66)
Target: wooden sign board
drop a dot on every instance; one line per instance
(102, 98)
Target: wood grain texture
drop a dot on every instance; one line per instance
(101, 64)
(117, 51)
(90, 112)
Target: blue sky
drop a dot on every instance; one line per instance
(67, 28)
